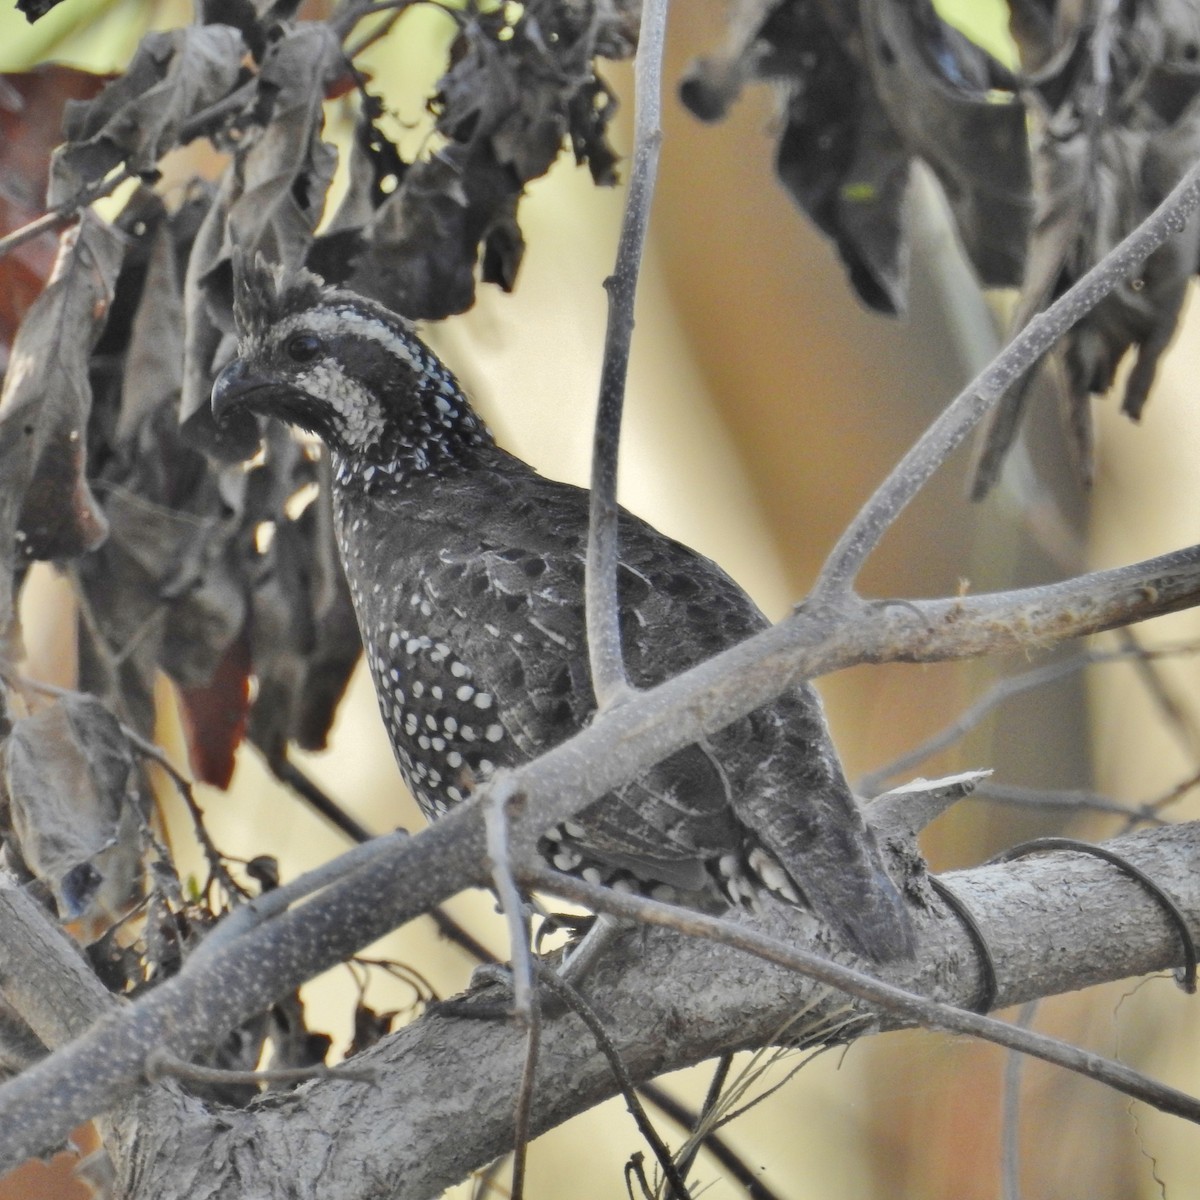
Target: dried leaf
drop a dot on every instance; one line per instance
(68, 776)
(1118, 127)
(47, 509)
(142, 114)
(868, 88)
(285, 171)
(943, 96)
(34, 10)
(214, 715)
(515, 89)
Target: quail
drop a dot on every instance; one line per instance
(466, 569)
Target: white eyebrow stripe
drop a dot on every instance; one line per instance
(344, 319)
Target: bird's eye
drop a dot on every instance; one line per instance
(304, 347)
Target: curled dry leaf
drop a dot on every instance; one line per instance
(1116, 115)
(515, 89)
(71, 801)
(47, 509)
(141, 115)
(866, 90)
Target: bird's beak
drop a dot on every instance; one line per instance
(233, 385)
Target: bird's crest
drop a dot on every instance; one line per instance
(264, 293)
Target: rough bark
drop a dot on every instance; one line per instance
(441, 1104)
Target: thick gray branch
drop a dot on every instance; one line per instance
(1055, 923)
(198, 1006)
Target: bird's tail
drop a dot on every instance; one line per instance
(803, 814)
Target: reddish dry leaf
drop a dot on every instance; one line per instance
(215, 713)
(31, 107)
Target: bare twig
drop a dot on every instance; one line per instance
(603, 615)
(525, 1005)
(564, 991)
(161, 1064)
(1065, 799)
(948, 431)
(65, 213)
(286, 771)
(500, 870)
(1004, 690)
(929, 1013)
(316, 798)
(1176, 715)
(1010, 1153)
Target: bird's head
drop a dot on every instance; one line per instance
(344, 368)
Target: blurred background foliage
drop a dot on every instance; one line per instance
(765, 404)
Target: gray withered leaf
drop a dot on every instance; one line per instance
(1110, 144)
(337, 644)
(47, 509)
(68, 775)
(143, 113)
(867, 88)
(153, 372)
(513, 91)
(208, 340)
(284, 170)
(956, 108)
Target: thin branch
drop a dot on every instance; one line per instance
(603, 615)
(1010, 1152)
(1004, 690)
(286, 771)
(921, 1011)
(162, 1065)
(317, 799)
(1175, 711)
(64, 214)
(500, 869)
(1065, 799)
(576, 1003)
(948, 431)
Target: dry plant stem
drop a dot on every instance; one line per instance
(930, 1014)
(196, 1008)
(603, 618)
(948, 431)
(1067, 800)
(525, 1000)
(500, 864)
(161, 1065)
(523, 1108)
(732, 1163)
(287, 772)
